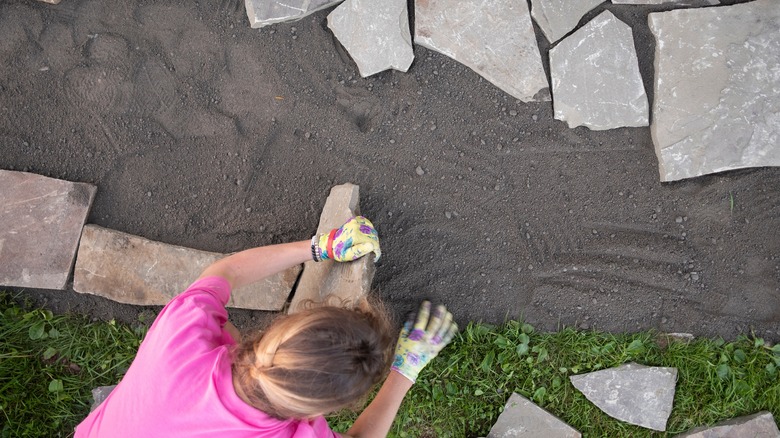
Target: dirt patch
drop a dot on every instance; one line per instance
(202, 132)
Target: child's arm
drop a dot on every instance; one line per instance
(421, 339)
(254, 264)
(376, 419)
(351, 241)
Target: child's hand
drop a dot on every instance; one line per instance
(426, 339)
(349, 242)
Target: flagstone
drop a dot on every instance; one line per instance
(633, 393)
(556, 18)
(716, 104)
(697, 3)
(495, 38)
(264, 12)
(133, 270)
(595, 77)
(326, 281)
(376, 34)
(41, 221)
(522, 418)
(760, 425)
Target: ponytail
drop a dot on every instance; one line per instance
(316, 361)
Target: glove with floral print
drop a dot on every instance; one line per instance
(349, 242)
(429, 335)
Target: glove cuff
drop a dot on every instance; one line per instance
(412, 376)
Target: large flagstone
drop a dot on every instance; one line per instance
(376, 34)
(523, 419)
(41, 221)
(556, 18)
(633, 393)
(717, 83)
(133, 270)
(495, 38)
(335, 283)
(595, 77)
(264, 12)
(760, 425)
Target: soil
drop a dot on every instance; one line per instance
(199, 131)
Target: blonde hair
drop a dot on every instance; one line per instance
(316, 361)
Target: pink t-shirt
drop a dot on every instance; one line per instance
(180, 383)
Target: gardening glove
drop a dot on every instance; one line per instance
(349, 242)
(426, 339)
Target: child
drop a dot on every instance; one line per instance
(190, 378)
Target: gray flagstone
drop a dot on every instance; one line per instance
(595, 77)
(495, 38)
(264, 12)
(376, 34)
(717, 83)
(633, 393)
(41, 221)
(522, 418)
(760, 425)
(556, 18)
(325, 281)
(133, 270)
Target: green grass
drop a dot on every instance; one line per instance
(49, 364)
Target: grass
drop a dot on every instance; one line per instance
(49, 364)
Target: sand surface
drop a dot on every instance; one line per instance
(202, 132)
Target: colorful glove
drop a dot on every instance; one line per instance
(349, 242)
(427, 338)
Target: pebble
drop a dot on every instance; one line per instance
(448, 214)
(535, 117)
(420, 171)
(679, 219)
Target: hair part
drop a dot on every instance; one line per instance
(316, 361)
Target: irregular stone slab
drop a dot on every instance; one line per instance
(376, 34)
(133, 270)
(41, 221)
(264, 12)
(633, 393)
(522, 418)
(716, 86)
(556, 18)
(760, 425)
(343, 282)
(99, 395)
(495, 38)
(695, 3)
(595, 77)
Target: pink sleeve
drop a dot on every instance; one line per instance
(194, 320)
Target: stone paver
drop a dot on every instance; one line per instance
(133, 270)
(495, 38)
(41, 221)
(716, 86)
(522, 418)
(697, 3)
(99, 395)
(264, 12)
(556, 18)
(346, 282)
(595, 77)
(633, 393)
(760, 425)
(376, 34)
